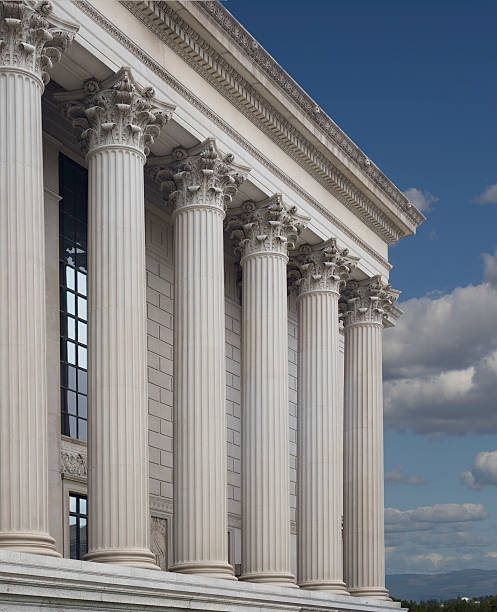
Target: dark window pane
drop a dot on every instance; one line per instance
(82, 406)
(71, 402)
(82, 381)
(72, 427)
(71, 377)
(64, 424)
(82, 433)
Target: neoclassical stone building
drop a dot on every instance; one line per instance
(193, 287)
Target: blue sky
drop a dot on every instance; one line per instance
(415, 85)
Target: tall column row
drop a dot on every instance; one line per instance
(340, 447)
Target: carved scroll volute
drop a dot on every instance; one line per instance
(116, 112)
(321, 267)
(369, 301)
(32, 39)
(270, 226)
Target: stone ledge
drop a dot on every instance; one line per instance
(31, 582)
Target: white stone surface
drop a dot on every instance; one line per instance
(262, 232)
(320, 450)
(43, 583)
(365, 307)
(202, 183)
(24, 31)
(120, 124)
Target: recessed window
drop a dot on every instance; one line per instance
(78, 526)
(73, 229)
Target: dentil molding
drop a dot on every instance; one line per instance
(196, 102)
(161, 18)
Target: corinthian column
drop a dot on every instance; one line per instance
(31, 39)
(323, 269)
(365, 308)
(120, 121)
(265, 231)
(200, 182)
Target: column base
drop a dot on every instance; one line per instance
(132, 557)
(337, 587)
(281, 580)
(28, 542)
(224, 571)
(372, 592)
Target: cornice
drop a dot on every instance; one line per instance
(177, 86)
(161, 18)
(217, 13)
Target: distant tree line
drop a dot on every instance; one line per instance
(480, 604)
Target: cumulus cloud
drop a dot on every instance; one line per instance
(422, 200)
(488, 196)
(397, 476)
(435, 538)
(424, 517)
(440, 363)
(490, 268)
(483, 472)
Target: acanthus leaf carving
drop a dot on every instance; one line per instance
(31, 38)
(321, 267)
(200, 176)
(270, 226)
(368, 301)
(115, 112)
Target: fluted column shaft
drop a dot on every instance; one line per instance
(265, 421)
(323, 268)
(117, 420)
(24, 31)
(363, 477)
(119, 120)
(366, 305)
(200, 535)
(200, 179)
(320, 445)
(261, 235)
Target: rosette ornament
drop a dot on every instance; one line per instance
(116, 112)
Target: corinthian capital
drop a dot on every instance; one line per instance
(115, 112)
(369, 301)
(321, 267)
(32, 39)
(269, 226)
(200, 176)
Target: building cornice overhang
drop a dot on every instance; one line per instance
(320, 147)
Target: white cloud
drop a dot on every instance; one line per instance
(397, 476)
(492, 555)
(483, 472)
(422, 200)
(490, 268)
(424, 517)
(440, 363)
(489, 196)
(436, 538)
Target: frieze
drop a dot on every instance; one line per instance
(206, 61)
(148, 61)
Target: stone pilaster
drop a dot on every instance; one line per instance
(322, 270)
(263, 233)
(365, 307)
(119, 121)
(200, 182)
(31, 40)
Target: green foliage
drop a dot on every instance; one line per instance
(476, 604)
